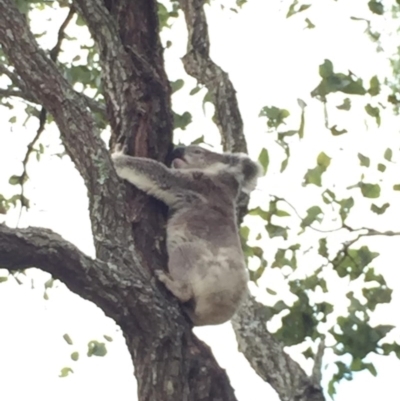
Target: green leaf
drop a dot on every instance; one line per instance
(276, 231)
(310, 25)
(328, 196)
(271, 292)
(182, 120)
(388, 154)
(197, 141)
(96, 348)
(371, 276)
(75, 356)
(371, 368)
(396, 187)
(3, 279)
(376, 7)
(371, 191)
(281, 213)
(383, 329)
(263, 158)
(15, 180)
(304, 7)
(255, 275)
(336, 82)
(325, 308)
(313, 176)
(356, 336)
(352, 263)
(381, 167)
(300, 322)
(176, 85)
(49, 283)
(108, 338)
(282, 135)
(308, 353)
(374, 86)
(326, 69)
(313, 214)
(380, 210)
(67, 339)
(302, 125)
(65, 372)
(24, 202)
(374, 112)
(292, 9)
(323, 160)
(284, 164)
(364, 160)
(346, 105)
(274, 115)
(336, 132)
(259, 212)
(377, 295)
(389, 348)
(323, 248)
(244, 232)
(80, 21)
(195, 90)
(281, 260)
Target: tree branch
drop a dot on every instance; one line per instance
(268, 358)
(198, 64)
(93, 104)
(16, 93)
(77, 127)
(23, 92)
(48, 251)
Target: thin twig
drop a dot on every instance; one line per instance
(43, 113)
(277, 198)
(24, 176)
(316, 375)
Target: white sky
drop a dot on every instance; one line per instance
(271, 61)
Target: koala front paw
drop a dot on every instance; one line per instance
(119, 150)
(162, 276)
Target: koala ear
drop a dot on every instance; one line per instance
(251, 172)
(245, 170)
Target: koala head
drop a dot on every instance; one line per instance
(239, 165)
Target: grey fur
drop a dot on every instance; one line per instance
(206, 266)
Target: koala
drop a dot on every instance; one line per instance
(207, 271)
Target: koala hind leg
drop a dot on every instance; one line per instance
(179, 288)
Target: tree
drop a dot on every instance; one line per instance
(134, 99)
